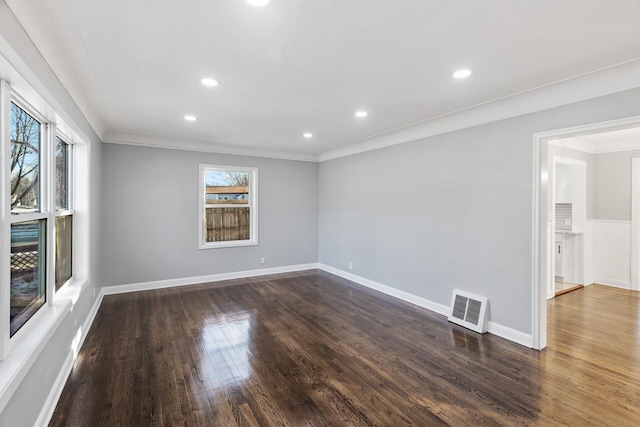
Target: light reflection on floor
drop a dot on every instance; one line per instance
(225, 343)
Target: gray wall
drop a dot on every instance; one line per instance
(27, 401)
(612, 185)
(449, 211)
(150, 215)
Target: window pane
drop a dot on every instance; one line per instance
(227, 187)
(25, 162)
(226, 224)
(64, 227)
(27, 271)
(62, 175)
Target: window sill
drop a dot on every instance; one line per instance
(32, 338)
(228, 244)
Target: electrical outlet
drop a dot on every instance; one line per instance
(350, 265)
(263, 260)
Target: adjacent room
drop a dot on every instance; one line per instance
(319, 212)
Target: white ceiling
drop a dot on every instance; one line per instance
(295, 66)
(603, 142)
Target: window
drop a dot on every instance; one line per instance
(41, 215)
(64, 214)
(28, 223)
(228, 206)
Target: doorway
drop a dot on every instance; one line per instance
(569, 208)
(544, 222)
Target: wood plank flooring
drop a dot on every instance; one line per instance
(311, 349)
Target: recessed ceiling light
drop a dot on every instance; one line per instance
(190, 118)
(362, 114)
(462, 74)
(258, 3)
(307, 135)
(209, 82)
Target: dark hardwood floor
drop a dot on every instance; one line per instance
(311, 349)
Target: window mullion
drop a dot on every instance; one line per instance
(48, 194)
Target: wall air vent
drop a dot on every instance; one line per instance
(469, 310)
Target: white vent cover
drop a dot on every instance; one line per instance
(469, 310)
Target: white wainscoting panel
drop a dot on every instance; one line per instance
(588, 252)
(612, 253)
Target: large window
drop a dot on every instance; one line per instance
(41, 217)
(228, 206)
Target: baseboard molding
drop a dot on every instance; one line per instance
(56, 391)
(623, 284)
(405, 296)
(492, 327)
(89, 320)
(510, 334)
(186, 281)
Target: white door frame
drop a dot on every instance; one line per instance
(635, 224)
(542, 221)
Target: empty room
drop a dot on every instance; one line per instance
(319, 213)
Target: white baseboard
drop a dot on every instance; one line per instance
(56, 391)
(89, 320)
(624, 284)
(492, 327)
(185, 281)
(510, 334)
(405, 296)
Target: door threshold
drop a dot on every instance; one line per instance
(567, 290)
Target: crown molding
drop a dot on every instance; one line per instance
(592, 85)
(205, 147)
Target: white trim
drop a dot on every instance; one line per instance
(538, 226)
(252, 205)
(388, 290)
(635, 224)
(611, 282)
(580, 88)
(492, 327)
(611, 221)
(510, 334)
(56, 391)
(5, 220)
(186, 281)
(151, 141)
(602, 82)
(540, 216)
(27, 344)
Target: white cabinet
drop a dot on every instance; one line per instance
(559, 256)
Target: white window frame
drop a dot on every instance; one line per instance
(25, 340)
(70, 200)
(252, 205)
(44, 202)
